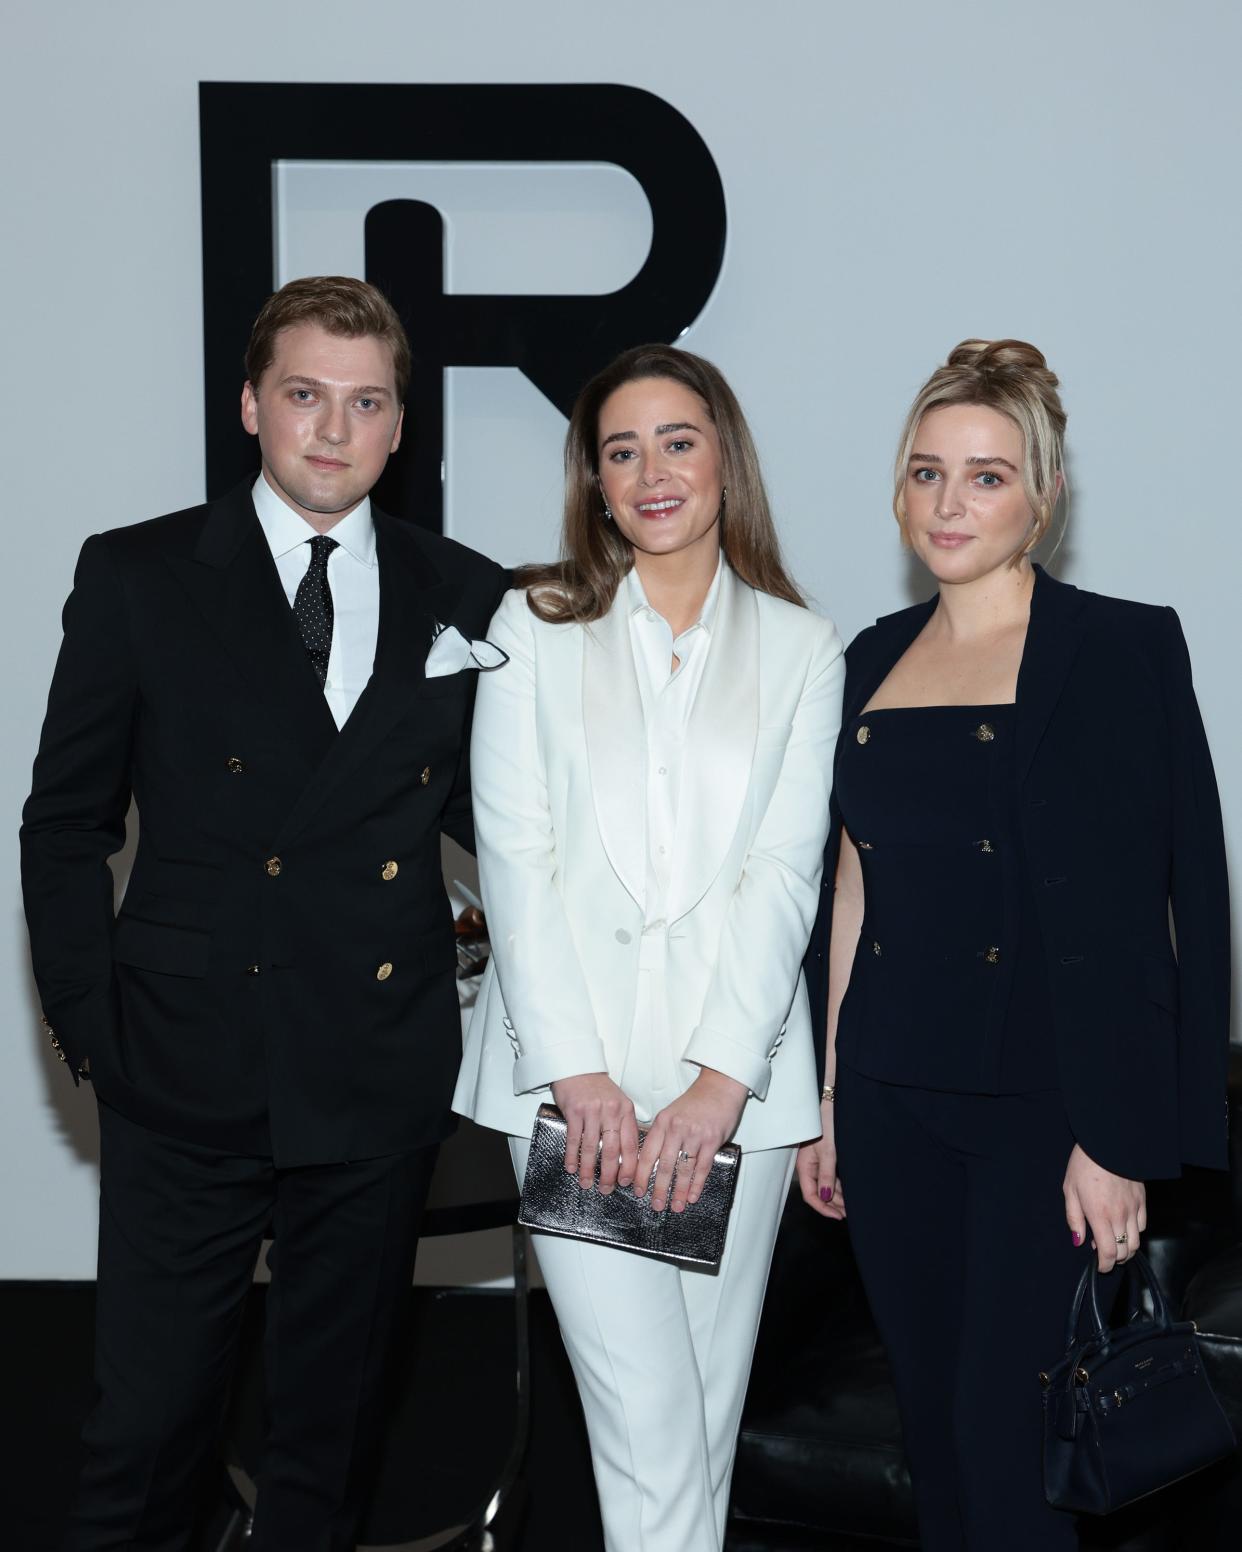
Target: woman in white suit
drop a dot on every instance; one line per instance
(651, 777)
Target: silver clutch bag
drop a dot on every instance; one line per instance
(554, 1203)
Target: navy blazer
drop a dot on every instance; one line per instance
(1120, 820)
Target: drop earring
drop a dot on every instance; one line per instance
(607, 511)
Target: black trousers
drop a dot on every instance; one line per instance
(957, 1221)
(179, 1233)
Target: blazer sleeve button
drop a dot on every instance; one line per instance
(273, 867)
(384, 971)
(389, 871)
(425, 777)
(234, 765)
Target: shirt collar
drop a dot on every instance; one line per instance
(637, 596)
(285, 530)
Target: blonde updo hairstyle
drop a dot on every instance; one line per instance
(1013, 378)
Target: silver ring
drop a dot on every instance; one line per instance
(686, 1157)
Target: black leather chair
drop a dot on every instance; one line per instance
(820, 1461)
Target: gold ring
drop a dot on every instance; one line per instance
(1122, 1238)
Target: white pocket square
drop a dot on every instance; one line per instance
(451, 653)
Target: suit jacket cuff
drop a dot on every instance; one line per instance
(711, 1048)
(536, 1069)
(76, 1026)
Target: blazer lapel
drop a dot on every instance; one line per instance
(232, 579)
(895, 633)
(1053, 637)
(413, 599)
(719, 747)
(612, 716)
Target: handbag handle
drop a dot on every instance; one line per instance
(1139, 1265)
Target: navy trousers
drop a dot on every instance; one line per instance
(957, 1221)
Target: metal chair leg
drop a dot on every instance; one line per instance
(521, 1431)
(236, 1533)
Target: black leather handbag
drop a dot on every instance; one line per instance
(1128, 1409)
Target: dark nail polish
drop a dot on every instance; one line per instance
(1077, 1237)
(825, 1195)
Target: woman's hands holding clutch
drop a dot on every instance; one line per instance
(685, 1136)
(599, 1123)
(680, 1145)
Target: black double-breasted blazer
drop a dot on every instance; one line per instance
(280, 977)
(1121, 829)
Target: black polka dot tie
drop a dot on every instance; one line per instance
(312, 606)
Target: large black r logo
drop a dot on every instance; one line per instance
(557, 341)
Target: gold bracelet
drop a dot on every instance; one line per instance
(829, 1094)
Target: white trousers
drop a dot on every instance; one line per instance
(662, 1357)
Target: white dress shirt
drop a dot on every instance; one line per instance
(353, 580)
(668, 695)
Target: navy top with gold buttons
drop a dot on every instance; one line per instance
(949, 988)
(1113, 786)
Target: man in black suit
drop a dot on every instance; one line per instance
(271, 1022)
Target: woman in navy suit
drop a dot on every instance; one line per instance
(1022, 790)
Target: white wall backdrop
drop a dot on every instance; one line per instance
(899, 175)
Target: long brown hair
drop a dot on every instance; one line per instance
(595, 557)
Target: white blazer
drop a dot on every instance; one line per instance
(558, 778)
